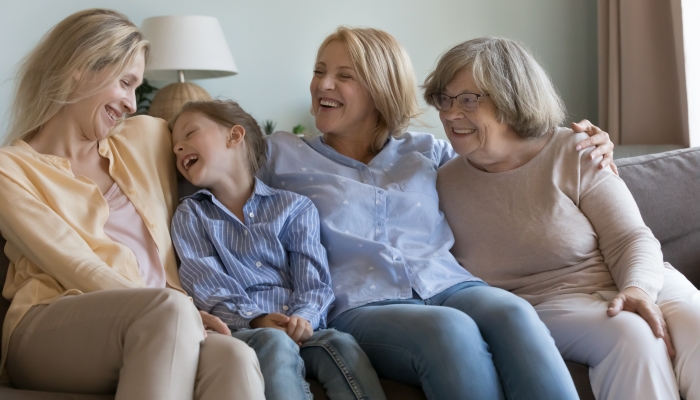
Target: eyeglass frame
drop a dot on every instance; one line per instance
(452, 100)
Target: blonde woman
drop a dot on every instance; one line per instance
(419, 316)
(85, 205)
(532, 215)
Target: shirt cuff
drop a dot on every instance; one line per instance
(310, 314)
(236, 318)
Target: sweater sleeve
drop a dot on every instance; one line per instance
(629, 248)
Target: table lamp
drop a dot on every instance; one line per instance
(184, 47)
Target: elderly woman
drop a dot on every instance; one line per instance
(533, 216)
(419, 316)
(85, 206)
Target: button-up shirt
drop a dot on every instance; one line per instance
(380, 222)
(272, 261)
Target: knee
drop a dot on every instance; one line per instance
(236, 352)
(173, 309)
(629, 334)
(336, 339)
(275, 340)
(446, 328)
(514, 311)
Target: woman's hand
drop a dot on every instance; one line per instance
(214, 323)
(636, 300)
(598, 138)
(299, 329)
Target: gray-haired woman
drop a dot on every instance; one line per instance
(532, 216)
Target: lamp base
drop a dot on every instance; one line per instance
(169, 100)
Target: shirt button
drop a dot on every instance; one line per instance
(373, 287)
(131, 191)
(245, 233)
(379, 202)
(153, 225)
(249, 313)
(251, 215)
(258, 264)
(285, 308)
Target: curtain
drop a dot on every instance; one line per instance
(641, 89)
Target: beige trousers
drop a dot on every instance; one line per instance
(626, 360)
(140, 343)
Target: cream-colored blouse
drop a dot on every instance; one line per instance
(54, 221)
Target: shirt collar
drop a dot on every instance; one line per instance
(260, 189)
(317, 143)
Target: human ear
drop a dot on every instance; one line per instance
(235, 136)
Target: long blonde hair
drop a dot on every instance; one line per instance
(385, 70)
(81, 45)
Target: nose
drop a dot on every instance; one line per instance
(453, 113)
(327, 83)
(178, 148)
(130, 102)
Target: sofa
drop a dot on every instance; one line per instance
(666, 187)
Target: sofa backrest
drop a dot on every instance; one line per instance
(666, 187)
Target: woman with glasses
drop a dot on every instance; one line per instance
(533, 215)
(420, 317)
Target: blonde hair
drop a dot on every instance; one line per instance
(385, 70)
(228, 113)
(85, 43)
(518, 86)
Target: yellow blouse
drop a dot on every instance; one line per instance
(53, 221)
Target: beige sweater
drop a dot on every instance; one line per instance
(555, 225)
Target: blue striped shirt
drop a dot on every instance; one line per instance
(271, 262)
(380, 222)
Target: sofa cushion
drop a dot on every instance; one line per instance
(666, 187)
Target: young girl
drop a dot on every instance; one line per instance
(251, 255)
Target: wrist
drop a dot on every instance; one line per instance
(257, 321)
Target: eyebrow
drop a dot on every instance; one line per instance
(342, 67)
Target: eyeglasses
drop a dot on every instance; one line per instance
(466, 101)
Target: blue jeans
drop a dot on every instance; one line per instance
(472, 341)
(331, 357)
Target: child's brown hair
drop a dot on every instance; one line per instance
(228, 113)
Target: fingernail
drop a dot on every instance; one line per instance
(578, 148)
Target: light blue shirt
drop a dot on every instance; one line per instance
(271, 262)
(380, 222)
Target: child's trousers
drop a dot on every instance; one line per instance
(331, 357)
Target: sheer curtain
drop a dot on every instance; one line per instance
(641, 71)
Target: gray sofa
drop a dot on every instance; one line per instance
(667, 189)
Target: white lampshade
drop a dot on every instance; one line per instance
(193, 44)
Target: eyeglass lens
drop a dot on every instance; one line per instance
(466, 101)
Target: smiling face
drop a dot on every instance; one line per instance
(201, 146)
(341, 105)
(97, 114)
(470, 131)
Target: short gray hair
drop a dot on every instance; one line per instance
(518, 86)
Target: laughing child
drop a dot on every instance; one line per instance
(251, 256)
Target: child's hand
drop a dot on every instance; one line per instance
(299, 329)
(271, 320)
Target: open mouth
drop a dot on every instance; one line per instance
(189, 161)
(112, 114)
(325, 103)
(463, 131)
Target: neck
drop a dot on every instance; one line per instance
(358, 148)
(61, 137)
(508, 152)
(234, 191)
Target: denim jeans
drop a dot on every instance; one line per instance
(331, 357)
(472, 341)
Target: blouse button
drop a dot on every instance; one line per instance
(285, 308)
(251, 215)
(258, 264)
(153, 225)
(131, 191)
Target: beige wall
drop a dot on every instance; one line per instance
(274, 41)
